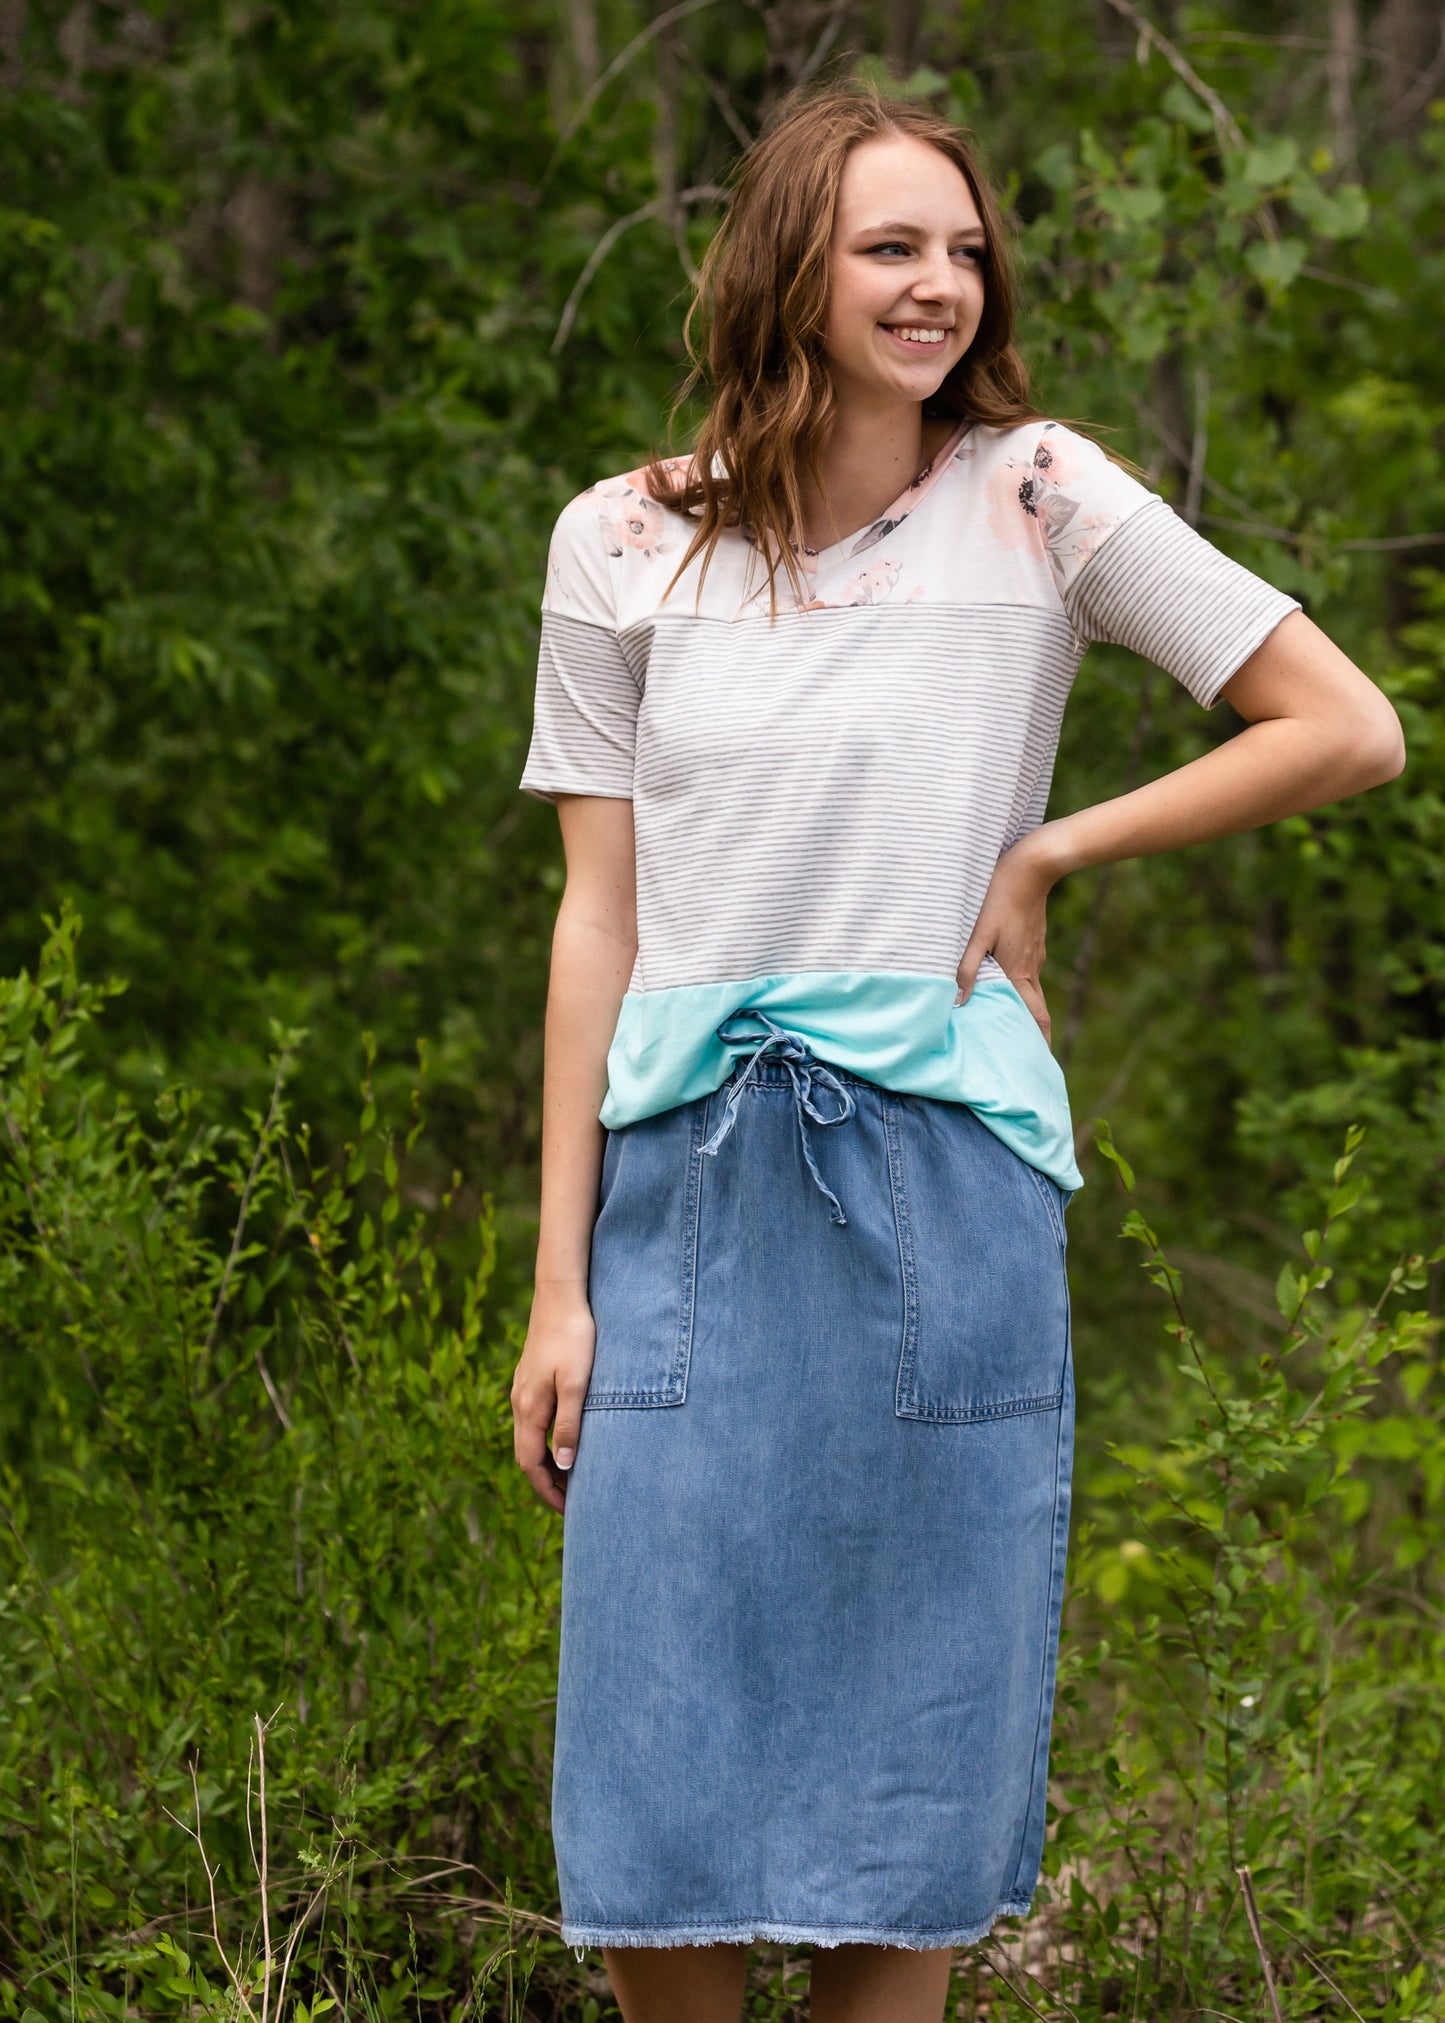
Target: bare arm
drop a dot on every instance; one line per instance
(593, 949)
(1317, 730)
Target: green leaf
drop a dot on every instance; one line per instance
(1289, 1290)
(1180, 103)
(1343, 1199)
(1131, 204)
(1276, 262)
(1266, 164)
(1341, 213)
(924, 82)
(1103, 1138)
(1056, 166)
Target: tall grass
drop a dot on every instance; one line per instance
(258, 1497)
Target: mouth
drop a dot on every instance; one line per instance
(918, 337)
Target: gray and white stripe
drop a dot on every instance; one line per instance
(832, 791)
(584, 734)
(1214, 616)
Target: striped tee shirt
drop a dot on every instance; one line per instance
(820, 798)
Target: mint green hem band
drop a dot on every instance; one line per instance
(903, 1032)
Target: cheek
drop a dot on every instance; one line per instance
(858, 299)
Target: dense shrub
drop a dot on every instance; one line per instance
(269, 1481)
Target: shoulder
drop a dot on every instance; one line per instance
(619, 516)
(1049, 489)
(1079, 496)
(1058, 453)
(632, 520)
(606, 522)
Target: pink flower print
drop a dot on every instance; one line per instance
(632, 520)
(1073, 532)
(1056, 457)
(1054, 470)
(1012, 518)
(1089, 535)
(871, 586)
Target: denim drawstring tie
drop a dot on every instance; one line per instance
(805, 1070)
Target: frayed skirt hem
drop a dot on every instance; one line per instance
(763, 1931)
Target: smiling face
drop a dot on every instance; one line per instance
(906, 273)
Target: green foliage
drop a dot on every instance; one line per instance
(277, 476)
(288, 419)
(270, 1483)
(1268, 1555)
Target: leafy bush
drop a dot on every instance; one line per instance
(268, 1505)
(1251, 1761)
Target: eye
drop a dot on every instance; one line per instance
(978, 254)
(889, 246)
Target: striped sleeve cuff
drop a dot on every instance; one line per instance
(585, 727)
(1161, 589)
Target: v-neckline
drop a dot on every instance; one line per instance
(907, 502)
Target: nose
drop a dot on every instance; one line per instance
(939, 279)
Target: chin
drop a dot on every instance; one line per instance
(918, 387)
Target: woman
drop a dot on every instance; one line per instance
(800, 1334)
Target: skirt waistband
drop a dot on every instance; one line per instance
(774, 1074)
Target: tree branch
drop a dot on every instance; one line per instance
(700, 193)
(1225, 122)
(1251, 1911)
(614, 69)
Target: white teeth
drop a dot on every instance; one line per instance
(916, 336)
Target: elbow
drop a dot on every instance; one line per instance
(1374, 751)
(1386, 749)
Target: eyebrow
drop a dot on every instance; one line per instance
(915, 230)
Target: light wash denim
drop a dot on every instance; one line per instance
(815, 1532)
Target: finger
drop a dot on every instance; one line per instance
(968, 968)
(532, 1409)
(529, 1441)
(546, 1486)
(1030, 991)
(567, 1428)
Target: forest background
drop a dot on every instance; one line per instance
(313, 317)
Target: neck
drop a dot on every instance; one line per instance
(870, 455)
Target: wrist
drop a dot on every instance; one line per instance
(1046, 853)
(559, 1292)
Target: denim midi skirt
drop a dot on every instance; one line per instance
(814, 1542)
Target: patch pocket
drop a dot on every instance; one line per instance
(981, 1240)
(644, 1261)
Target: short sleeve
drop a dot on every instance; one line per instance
(584, 728)
(1132, 573)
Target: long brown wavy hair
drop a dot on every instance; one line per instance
(756, 324)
